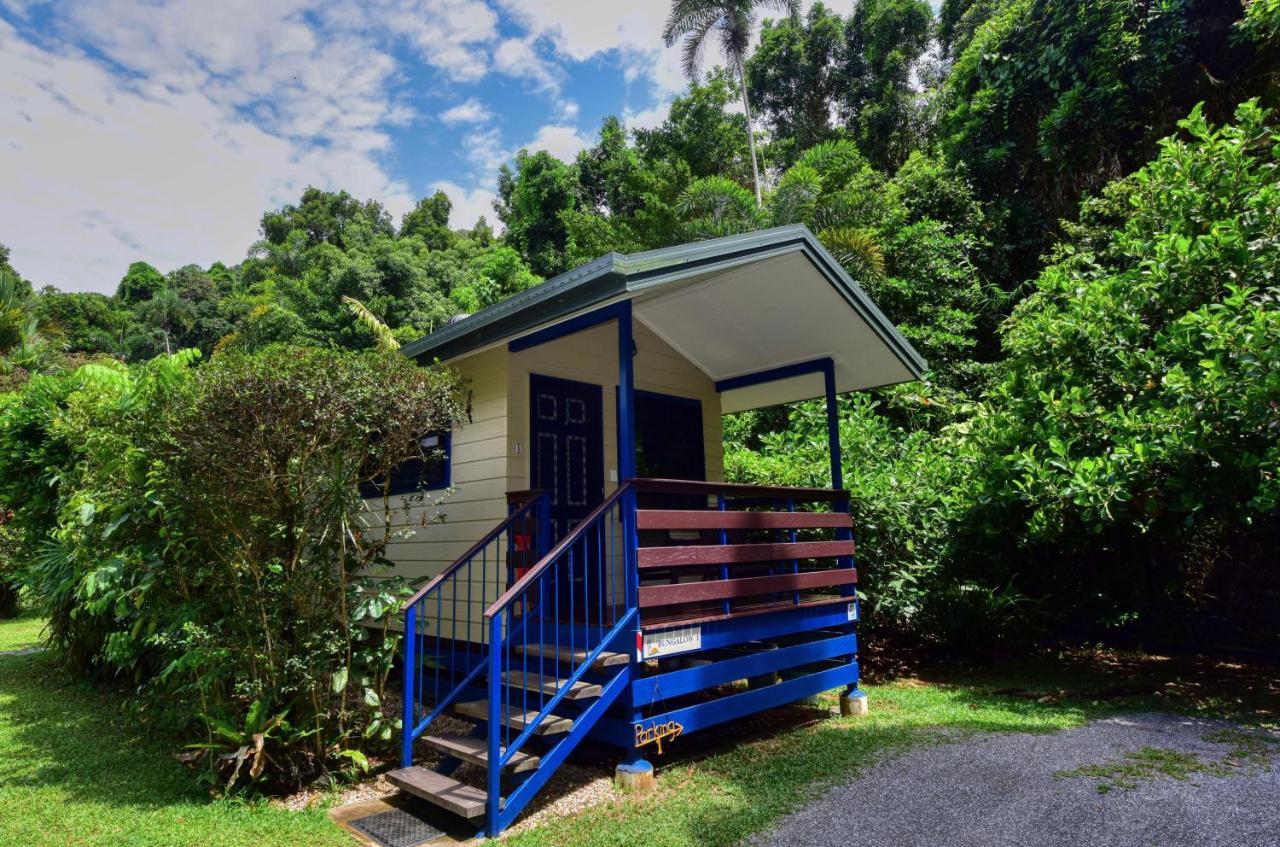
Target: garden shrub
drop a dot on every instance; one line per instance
(1119, 466)
(200, 534)
(1137, 421)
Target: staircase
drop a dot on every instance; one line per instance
(535, 671)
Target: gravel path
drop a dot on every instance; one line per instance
(1002, 790)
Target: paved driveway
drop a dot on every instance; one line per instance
(1010, 790)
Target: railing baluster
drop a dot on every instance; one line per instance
(410, 661)
(445, 679)
(723, 538)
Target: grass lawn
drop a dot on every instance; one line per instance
(74, 771)
(21, 632)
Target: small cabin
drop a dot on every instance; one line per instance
(593, 574)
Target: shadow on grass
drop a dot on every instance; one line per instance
(57, 731)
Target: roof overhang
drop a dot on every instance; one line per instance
(732, 306)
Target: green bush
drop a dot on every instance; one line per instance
(199, 533)
(1137, 418)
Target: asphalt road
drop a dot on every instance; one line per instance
(1002, 790)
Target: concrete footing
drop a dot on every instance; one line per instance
(634, 776)
(853, 705)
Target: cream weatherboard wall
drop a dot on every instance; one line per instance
(490, 453)
(441, 533)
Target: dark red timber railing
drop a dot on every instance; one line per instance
(551, 629)
(758, 549)
(446, 641)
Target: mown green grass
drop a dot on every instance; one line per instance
(75, 770)
(21, 632)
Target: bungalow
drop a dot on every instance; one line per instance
(595, 576)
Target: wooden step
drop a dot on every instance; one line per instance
(517, 720)
(443, 791)
(573, 658)
(549, 685)
(476, 751)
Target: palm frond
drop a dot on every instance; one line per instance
(695, 44)
(385, 336)
(796, 196)
(722, 200)
(689, 15)
(857, 250)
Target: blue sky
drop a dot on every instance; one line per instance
(162, 129)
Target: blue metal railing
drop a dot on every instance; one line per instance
(446, 641)
(548, 629)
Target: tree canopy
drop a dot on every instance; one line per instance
(1067, 207)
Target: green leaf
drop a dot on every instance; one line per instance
(339, 680)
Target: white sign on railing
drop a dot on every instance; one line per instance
(671, 641)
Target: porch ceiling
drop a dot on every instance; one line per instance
(771, 313)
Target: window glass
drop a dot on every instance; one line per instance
(430, 471)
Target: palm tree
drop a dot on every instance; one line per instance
(824, 190)
(733, 22)
(169, 313)
(26, 340)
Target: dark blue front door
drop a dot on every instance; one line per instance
(566, 450)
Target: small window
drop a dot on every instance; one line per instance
(429, 472)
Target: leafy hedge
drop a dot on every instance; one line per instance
(198, 533)
(1120, 467)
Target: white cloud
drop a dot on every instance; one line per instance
(101, 170)
(469, 204)
(519, 58)
(483, 148)
(470, 111)
(563, 142)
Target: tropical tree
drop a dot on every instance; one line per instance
(732, 22)
(27, 341)
(167, 313)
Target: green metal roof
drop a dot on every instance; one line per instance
(615, 276)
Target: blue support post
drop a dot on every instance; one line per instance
(833, 424)
(851, 692)
(633, 762)
(410, 666)
(627, 449)
(493, 780)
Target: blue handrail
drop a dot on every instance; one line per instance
(552, 625)
(437, 669)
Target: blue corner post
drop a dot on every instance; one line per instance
(833, 423)
(410, 672)
(627, 471)
(627, 448)
(837, 482)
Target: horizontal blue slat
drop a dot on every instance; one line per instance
(703, 715)
(730, 631)
(673, 684)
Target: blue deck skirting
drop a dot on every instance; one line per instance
(653, 688)
(730, 631)
(693, 718)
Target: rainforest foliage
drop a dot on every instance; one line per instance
(1069, 208)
